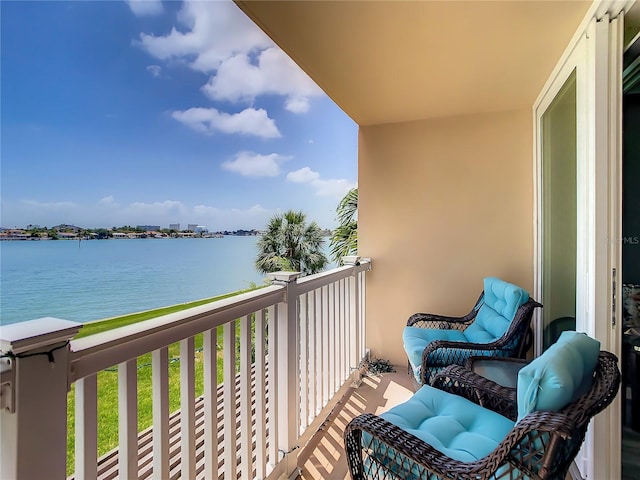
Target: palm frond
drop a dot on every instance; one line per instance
(344, 240)
(288, 243)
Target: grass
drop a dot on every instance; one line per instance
(107, 380)
(92, 328)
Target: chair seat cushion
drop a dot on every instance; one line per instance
(451, 424)
(416, 339)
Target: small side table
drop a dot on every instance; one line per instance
(501, 370)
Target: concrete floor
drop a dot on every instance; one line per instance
(323, 457)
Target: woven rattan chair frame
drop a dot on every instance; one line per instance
(432, 320)
(541, 446)
(512, 344)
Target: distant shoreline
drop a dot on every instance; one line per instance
(129, 236)
(49, 239)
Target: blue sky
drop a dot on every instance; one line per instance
(150, 113)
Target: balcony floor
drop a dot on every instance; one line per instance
(323, 457)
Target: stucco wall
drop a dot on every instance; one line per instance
(442, 204)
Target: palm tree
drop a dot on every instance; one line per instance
(344, 240)
(290, 244)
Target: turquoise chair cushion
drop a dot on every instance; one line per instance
(451, 424)
(559, 376)
(416, 339)
(501, 301)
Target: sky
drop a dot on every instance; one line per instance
(153, 113)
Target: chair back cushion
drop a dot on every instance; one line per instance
(501, 301)
(559, 376)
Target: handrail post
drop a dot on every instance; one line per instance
(288, 388)
(33, 439)
(355, 355)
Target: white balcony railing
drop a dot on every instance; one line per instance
(286, 350)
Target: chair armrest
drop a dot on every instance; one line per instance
(478, 389)
(442, 353)
(431, 320)
(443, 322)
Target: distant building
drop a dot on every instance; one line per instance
(200, 229)
(148, 228)
(67, 236)
(242, 233)
(63, 227)
(192, 227)
(174, 226)
(14, 234)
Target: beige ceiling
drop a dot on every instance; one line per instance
(392, 61)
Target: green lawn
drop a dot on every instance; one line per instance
(108, 380)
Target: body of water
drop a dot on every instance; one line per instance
(97, 279)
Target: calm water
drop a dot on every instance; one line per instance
(98, 279)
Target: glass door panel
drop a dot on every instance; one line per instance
(559, 213)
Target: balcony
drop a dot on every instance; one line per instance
(290, 353)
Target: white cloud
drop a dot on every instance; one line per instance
(247, 122)
(333, 187)
(203, 210)
(19, 213)
(154, 70)
(107, 201)
(218, 38)
(303, 175)
(216, 218)
(50, 205)
(211, 32)
(142, 8)
(297, 104)
(238, 79)
(250, 164)
(156, 207)
(108, 212)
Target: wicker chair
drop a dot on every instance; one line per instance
(541, 445)
(433, 342)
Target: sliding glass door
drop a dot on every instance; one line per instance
(559, 212)
(578, 207)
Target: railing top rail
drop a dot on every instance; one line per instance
(312, 282)
(96, 352)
